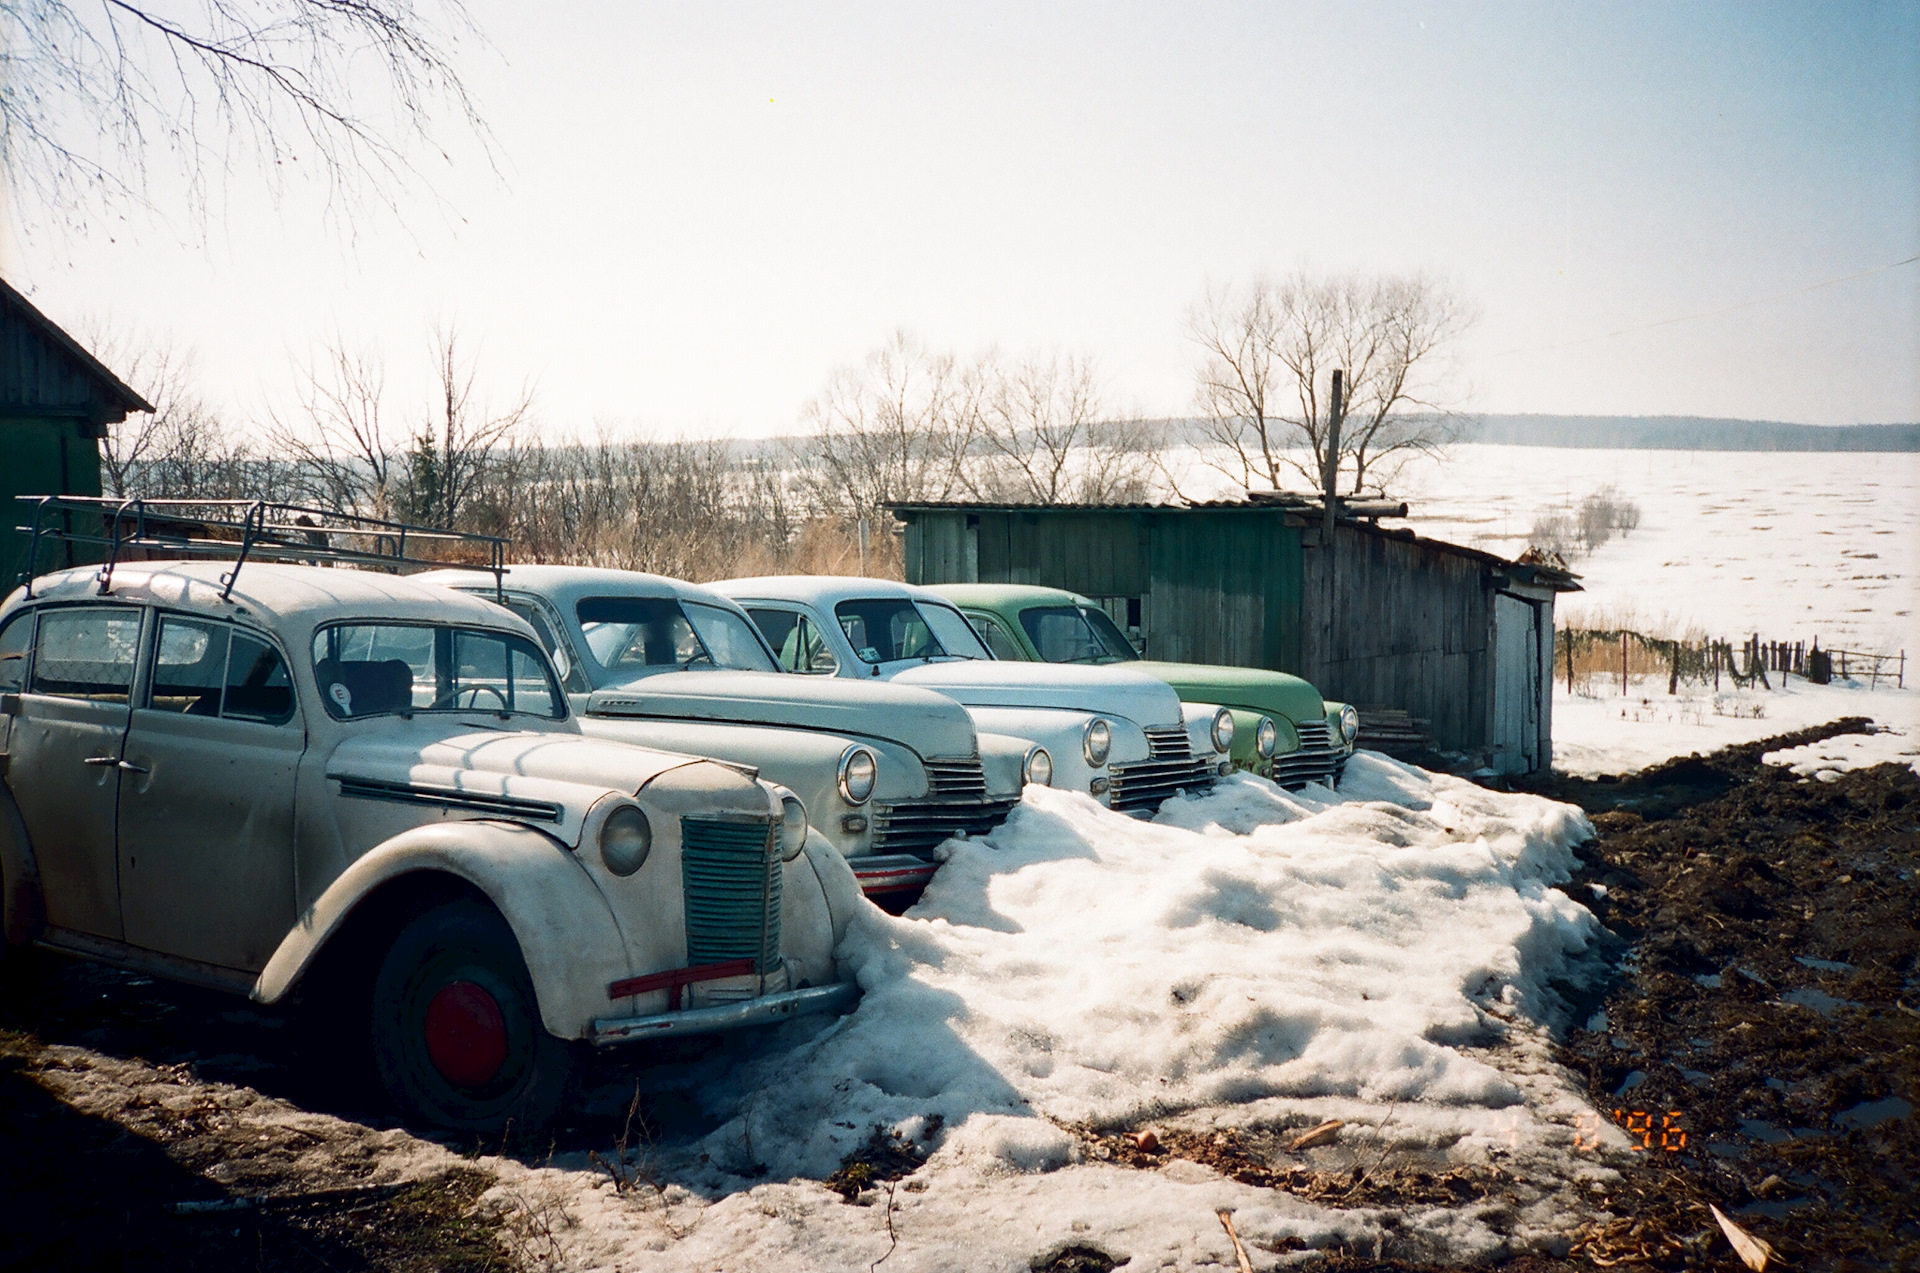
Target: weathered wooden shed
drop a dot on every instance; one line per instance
(56, 401)
(1457, 636)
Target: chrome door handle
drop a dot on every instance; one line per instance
(115, 762)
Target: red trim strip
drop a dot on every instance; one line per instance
(675, 979)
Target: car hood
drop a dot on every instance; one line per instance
(544, 779)
(1254, 689)
(1145, 700)
(929, 723)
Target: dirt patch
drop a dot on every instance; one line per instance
(886, 1156)
(1263, 1159)
(1762, 1046)
(115, 1162)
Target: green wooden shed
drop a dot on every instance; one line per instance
(56, 401)
(1456, 636)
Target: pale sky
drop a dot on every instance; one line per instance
(702, 209)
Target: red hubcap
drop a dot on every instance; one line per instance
(466, 1034)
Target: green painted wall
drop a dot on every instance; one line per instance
(1216, 586)
(40, 456)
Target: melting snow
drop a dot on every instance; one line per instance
(1253, 958)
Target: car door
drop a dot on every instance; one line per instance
(64, 754)
(207, 799)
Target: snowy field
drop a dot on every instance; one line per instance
(1252, 959)
(1793, 545)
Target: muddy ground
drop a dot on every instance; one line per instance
(1762, 1043)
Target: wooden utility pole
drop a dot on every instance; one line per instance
(1329, 482)
(1330, 467)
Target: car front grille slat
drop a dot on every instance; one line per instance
(730, 873)
(1170, 768)
(956, 804)
(1315, 761)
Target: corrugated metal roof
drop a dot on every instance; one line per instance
(42, 369)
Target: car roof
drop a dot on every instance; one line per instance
(292, 599)
(568, 584)
(823, 590)
(1018, 595)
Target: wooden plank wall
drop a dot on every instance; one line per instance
(1410, 628)
(1225, 589)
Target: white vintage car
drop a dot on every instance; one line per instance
(280, 776)
(1125, 738)
(887, 772)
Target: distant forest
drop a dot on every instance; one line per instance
(1686, 433)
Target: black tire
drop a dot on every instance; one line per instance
(447, 1058)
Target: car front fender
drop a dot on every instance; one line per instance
(573, 946)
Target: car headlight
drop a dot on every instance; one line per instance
(626, 838)
(1223, 730)
(792, 832)
(1038, 767)
(859, 771)
(1097, 742)
(1266, 738)
(1349, 723)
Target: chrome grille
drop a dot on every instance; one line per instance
(956, 804)
(730, 878)
(1170, 767)
(1169, 742)
(1315, 761)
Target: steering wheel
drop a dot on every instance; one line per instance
(474, 691)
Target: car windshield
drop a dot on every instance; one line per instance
(639, 634)
(884, 629)
(954, 631)
(379, 669)
(1070, 634)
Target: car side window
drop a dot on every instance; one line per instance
(16, 643)
(259, 687)
(87, 652)
(571, 676)
(204, 668)
(997, 638)
(189, 666)
(797, 641)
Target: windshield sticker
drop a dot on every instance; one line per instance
(341, 695)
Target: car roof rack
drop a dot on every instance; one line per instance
(241, 530)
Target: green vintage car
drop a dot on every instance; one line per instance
(1049, 625)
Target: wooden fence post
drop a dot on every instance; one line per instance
(1623, 663)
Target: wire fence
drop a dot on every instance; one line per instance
(1596, 656)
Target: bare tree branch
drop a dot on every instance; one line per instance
(344, 91)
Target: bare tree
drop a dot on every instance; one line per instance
(450, 456)
(344, 91)
(897, 426)
(182, 450)
(1043, 437)
(336, 437)
(1268, 351)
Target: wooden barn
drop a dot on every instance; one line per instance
(1455, 636)
(56, 401)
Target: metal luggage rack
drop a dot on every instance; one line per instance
(241, 530)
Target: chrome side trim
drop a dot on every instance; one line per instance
(731, 1016)
(449, 798)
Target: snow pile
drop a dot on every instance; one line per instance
(1252, 958)
(1831, 757)
(1610, 733)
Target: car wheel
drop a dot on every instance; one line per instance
(456, 1030)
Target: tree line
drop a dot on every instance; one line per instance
(905, 422)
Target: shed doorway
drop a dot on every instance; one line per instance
(1517, 663)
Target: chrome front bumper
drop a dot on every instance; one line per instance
(765, 1010)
